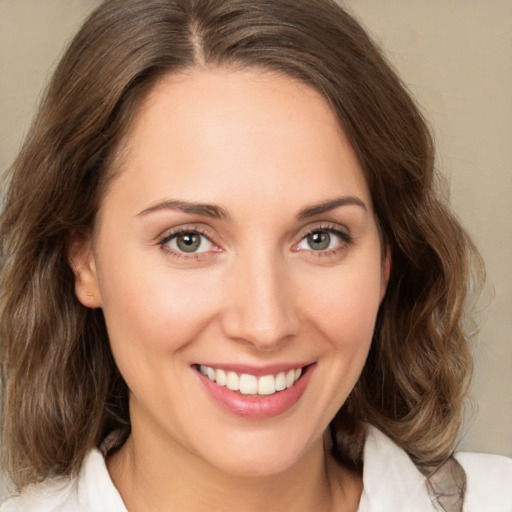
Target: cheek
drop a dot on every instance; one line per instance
(151, 320)
(341, 309)
(155, 311)
(344, 304)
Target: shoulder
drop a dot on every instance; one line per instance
(392, 481)
(92, 491)
(48, 496)
(489, 482)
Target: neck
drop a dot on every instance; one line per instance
(150, 476)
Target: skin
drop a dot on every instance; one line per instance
(261, 148)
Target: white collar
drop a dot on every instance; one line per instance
(391, 481)
(95, 487)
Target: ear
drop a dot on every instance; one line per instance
(82, 262)
(385, 272)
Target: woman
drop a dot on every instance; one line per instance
(228, 280)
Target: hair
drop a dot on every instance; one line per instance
(62, 392)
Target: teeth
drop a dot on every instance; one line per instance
(280, 381)
(266, 385)
(221, 377)
(250, 384)
(290, 378)
(232, 381)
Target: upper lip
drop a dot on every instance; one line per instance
(258, 371)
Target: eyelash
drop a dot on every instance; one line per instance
(345, 241)
(196, 256)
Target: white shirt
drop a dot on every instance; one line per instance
(392, 483)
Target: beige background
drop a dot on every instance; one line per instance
(456, 57)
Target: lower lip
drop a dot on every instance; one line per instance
(257, 407)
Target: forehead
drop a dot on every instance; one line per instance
(210, 135)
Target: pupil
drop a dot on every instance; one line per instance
(188, 242)
(319, 241)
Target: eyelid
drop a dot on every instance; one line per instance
(338, 230)
(341, 231)
(333, 227)
(163, 242)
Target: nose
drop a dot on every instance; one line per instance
(260, 305)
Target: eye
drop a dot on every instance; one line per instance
(188, 242)
(323, 239)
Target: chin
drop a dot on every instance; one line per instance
(259, 456)
(257, 467)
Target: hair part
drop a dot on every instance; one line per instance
(62, 392)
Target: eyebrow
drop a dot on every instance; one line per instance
(217, 212)
(206, 210)
(331, 204)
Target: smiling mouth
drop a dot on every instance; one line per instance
(248, 384)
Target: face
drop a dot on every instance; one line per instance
(238, 241)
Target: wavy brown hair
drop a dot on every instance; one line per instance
(62, 392)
